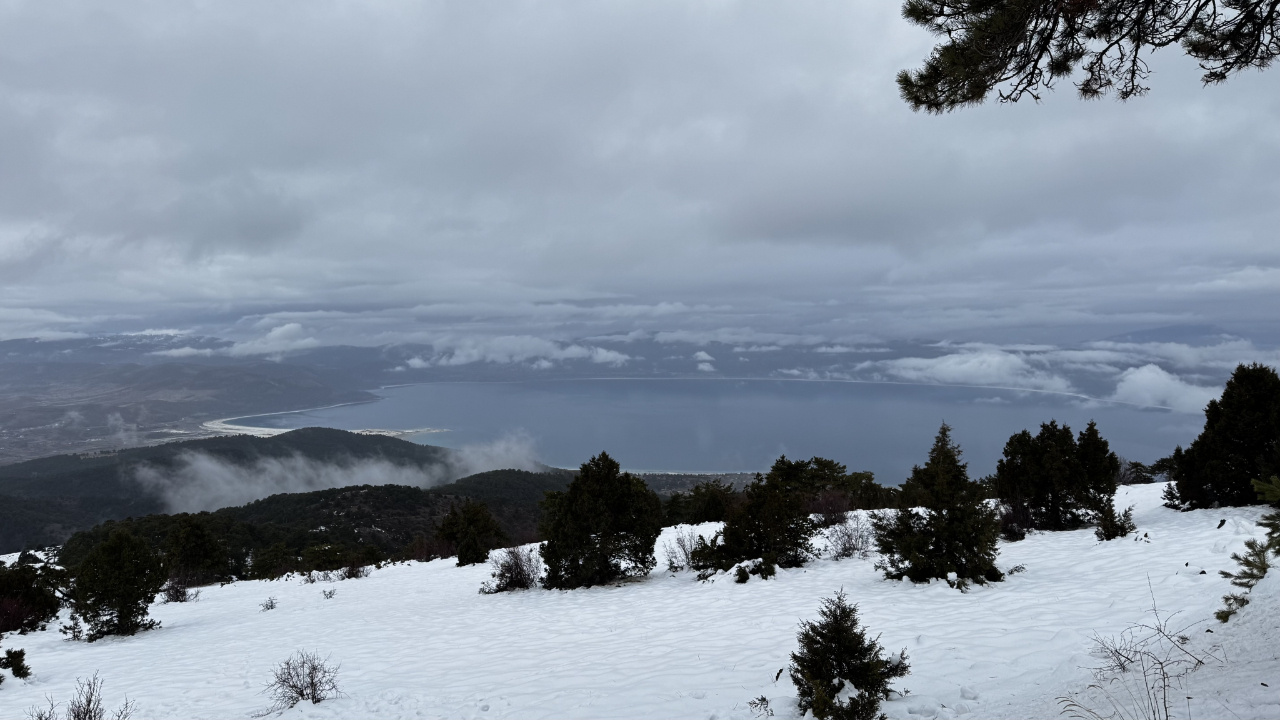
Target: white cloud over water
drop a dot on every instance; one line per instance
(1153, 386)
(994, 368)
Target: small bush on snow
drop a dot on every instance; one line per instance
(86, 704)
(353, 571)
(1111, 525)
(15, 661)
(1254, 565)
(680, 553)
(851, 537)
(838, 671)
(760, 706)
(1143, 672)
(178, 592)
(513, 569)
(304, 676)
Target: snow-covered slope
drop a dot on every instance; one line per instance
(418, 640)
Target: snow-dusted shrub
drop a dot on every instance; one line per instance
(1111, 525)
(353, 571)
(513, 569)
(305, 676)
(311, 577)
(838, 671)
(268, 604)
(760, 706)
(680, 553)
(177, 591)
(851, 537)
(86, 704)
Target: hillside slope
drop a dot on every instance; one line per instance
(417, 640)
(44, 501)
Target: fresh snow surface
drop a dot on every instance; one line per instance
(418, 641)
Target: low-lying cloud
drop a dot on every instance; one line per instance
(1151, 385)
(199, 481)
(988, 368)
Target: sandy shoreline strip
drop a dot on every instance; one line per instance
(229, 426)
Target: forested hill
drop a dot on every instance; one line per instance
(43, 501)
(368, 521)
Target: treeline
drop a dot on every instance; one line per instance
(331, 529)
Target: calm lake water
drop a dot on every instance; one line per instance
(740, 425)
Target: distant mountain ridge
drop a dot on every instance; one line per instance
(43, 501)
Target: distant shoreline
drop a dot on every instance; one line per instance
(229, 426)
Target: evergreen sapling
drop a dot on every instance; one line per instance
(838, 671)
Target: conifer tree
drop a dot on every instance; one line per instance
(1240, 442)
(1014, 484)
(1100, 469)
(1058, 497)
(193, 554)
(1112, 525)
(1053, 481)
(770, 523)
(601, 529)
(953, 536)
(29, 596)
(711, 501)
(1014, 48)
(115, 584)
(1269, 491)
(838, 671)
(473, 531)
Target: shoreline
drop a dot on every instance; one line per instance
(228, 426)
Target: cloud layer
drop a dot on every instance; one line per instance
(305, 173)
(200, 482)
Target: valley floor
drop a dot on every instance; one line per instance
(418, 641)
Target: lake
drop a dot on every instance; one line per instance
(703, 425)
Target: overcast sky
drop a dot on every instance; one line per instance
(376, 172)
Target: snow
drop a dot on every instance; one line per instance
(417, 640)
